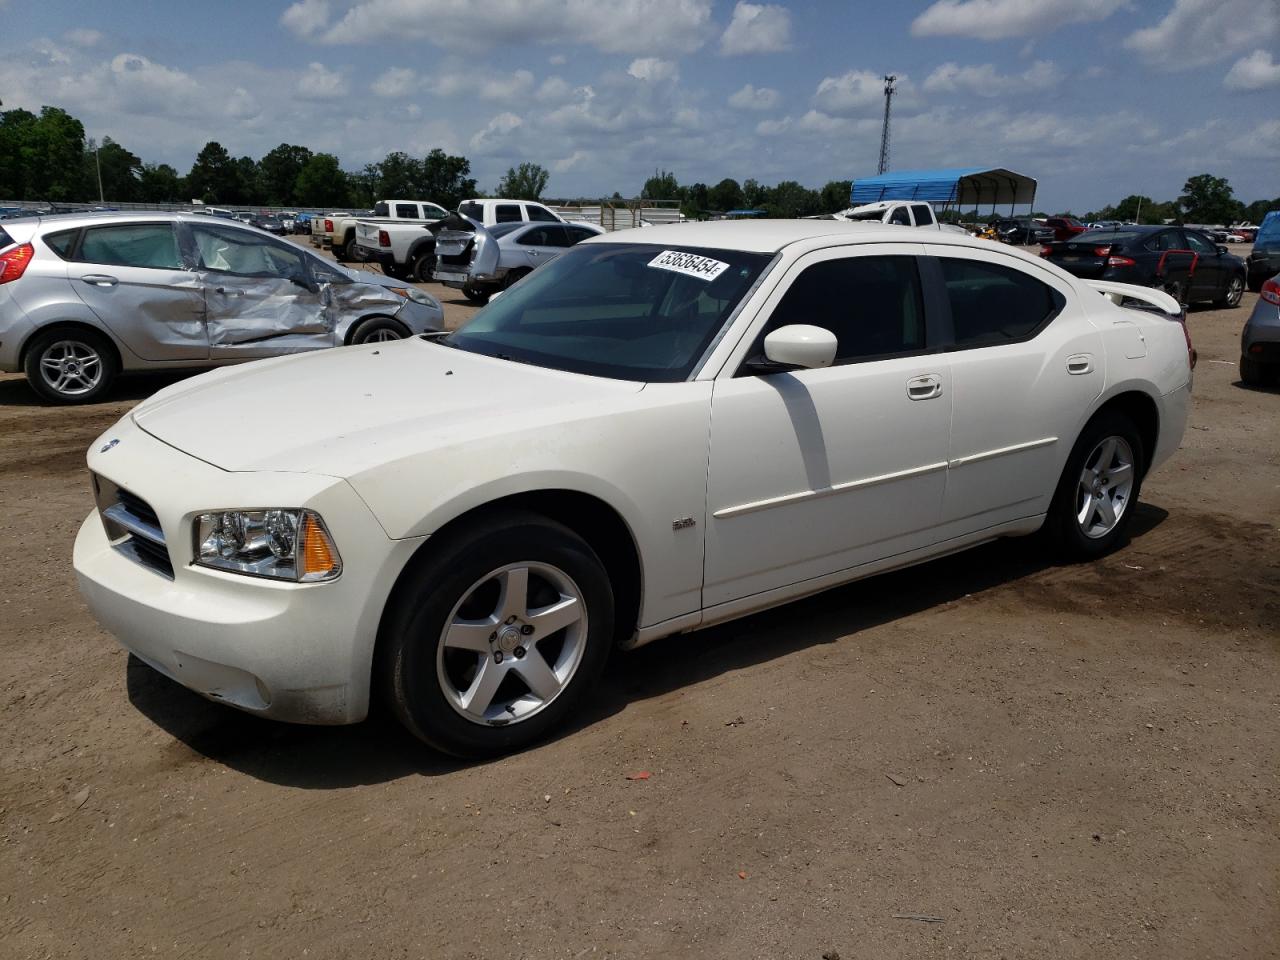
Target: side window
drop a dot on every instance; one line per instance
(324, 272)
(1165, 240)
(993, 304)
(557, 236)
(507, 213)
(1200, 244)
(431, 212)
(899, 215)
(537, 212)
(578, 234)
(60, 242)
(923, 214)
(380, 209)
(132, 245)
(240, 252)
(407, 211)
(472, 210)
(537, 237)
(873, 305)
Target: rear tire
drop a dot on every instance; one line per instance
(1098, 491)
(475, 294)
(1256, 285)
(474, 692)
(70, 366)
(424, 266)
(395, 271)
(1252, 373)
(513, 277)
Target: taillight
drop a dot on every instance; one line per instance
(1120, 262)
(384, 238)
(1271, 292)
(328, 225)
(1101, 251)
(1045, 251)
(13, 263)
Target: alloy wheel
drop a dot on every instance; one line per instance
(1235, 290)
(511, 645)
(1106, 484)
(71, 367)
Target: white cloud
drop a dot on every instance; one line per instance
(653, 70)
(985, 81)
(557, 60)
(490, 139)
(306, 18)
(395, 82)
(1199, 32)
(575, 159)
(318, 82)
(83, 38)
(1001, 19)
(1257, 71)
(852, 92)
(554, 90)
(452, 82)
(757, 28)
(755, 98)
(625, 26)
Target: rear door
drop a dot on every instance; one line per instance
(132, 276)
(260, 297)
(538, 245)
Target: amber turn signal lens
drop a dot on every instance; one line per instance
(319, 557)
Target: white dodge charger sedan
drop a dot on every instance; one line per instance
(659, 431)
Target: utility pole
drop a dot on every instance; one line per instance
(889, 81)
(97, 162)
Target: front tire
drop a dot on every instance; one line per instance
(494, 639)
(70, 366)
(378, 330)
(1232, 295)
(1098, 492)
(475, 294)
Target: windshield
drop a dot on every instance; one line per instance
(628, 311)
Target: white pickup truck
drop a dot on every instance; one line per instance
(906, 213)
(341, 230)
(407, 250)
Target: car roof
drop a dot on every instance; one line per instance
(770, 236)
(89, 217)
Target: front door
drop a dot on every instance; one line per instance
(1209, 278)
(132, 277)
(813, 472)
(260, 297)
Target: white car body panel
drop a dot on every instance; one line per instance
(738, 492)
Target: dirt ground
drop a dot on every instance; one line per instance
(1048, 761)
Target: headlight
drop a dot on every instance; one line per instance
(278, 543)
(414, 294)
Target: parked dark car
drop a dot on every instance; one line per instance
(1264, 261)
(1064, 228)
(1260, 339)
(1184, 263)
(1022, 230)
(269, 224)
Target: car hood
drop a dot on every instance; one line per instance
(342, 411)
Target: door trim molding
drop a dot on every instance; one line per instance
(802, 495)
(1001, 452)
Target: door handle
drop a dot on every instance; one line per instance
(1079, 364)
(99, 280)
(924, 387)
(229, 293)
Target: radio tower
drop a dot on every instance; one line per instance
(889, 81)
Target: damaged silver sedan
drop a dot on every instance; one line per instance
(84, 297)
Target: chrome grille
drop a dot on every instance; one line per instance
(132, 526)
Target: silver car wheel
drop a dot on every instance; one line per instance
(512, 643)
(71, 367)
(381, 335)
(1235, 290)
(1106, 483)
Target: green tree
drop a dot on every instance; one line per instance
(55, 157)
(278, 172)
(525, 182)
(725, 195)
(399, 177)
(790, 199)
(120, 171)
(249, 182)
(321, 182)
(835, 195)
(1208, 199)
(160, 183)
(753, 194)
(661, 186)
(17, 139)
(696, 201)
(214, 177)
(445, 179)
(1254, 212)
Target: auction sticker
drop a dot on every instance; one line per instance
(690, 264)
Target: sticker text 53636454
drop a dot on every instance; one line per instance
(690, 264)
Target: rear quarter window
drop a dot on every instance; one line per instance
(5, 239)
(60, 242)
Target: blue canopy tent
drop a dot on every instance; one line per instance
(965, 187)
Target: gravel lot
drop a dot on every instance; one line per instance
(1050, 761)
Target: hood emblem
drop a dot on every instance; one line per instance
(107, 446)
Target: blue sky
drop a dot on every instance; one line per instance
(1095, 98)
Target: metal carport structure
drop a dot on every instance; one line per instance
(963, 187)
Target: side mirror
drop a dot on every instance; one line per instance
(801, 345)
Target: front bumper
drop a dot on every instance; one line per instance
(296, 652)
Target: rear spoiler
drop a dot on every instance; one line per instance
(1119, 292)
